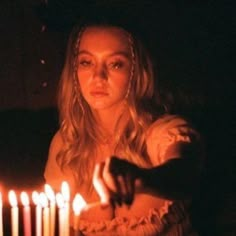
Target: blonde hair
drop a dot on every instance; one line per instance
(79, 129)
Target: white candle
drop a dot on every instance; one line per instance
(65, 190)
(14, 213)
(78, 204)
(51, 196)
(46, 222)
(1, 220)
(61, 213)
(38, 214)
(26, 213)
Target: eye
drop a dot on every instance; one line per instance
(85, 63)
(116, 65)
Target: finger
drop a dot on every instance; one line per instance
(122, 189)
(100, 185)
(130, 189)
(112, 181)
(126, 184)
(127, 173)
(116, 196)
(121, 181)
(109, 178)
(138, 185)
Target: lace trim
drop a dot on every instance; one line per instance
(151, 222)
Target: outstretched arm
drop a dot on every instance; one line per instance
(177, 178)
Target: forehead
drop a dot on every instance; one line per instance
(104, 38)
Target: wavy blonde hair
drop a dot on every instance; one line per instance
(80, 131)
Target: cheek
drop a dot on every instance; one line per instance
(121, 84)
(83, 76)
(83, 81)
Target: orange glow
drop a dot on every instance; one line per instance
(78, 204)
(43, 199)
(24, 199)
(65, 190)
(1, 199)
(49, 192)
(35, 197)
(60, 200)
(1, 220)
(12, 198)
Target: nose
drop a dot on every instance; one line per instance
(100, 72)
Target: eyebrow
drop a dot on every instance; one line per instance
(122, 53)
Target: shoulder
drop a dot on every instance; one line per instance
(55, 147)
(56, 142)
(52, 173)
(167, 122)
(171, 132)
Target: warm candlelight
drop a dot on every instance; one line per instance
(78, 204)
(46, 222)
(65, 190)
(61, 213)
(38, 213)
(51, 196)
(14, 213)
(26, 213)
(1, 220)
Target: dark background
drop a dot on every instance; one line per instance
(193, 43)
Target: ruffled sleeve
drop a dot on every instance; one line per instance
(169, 131)
(176, 222)
(147, 225)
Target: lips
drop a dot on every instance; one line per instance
(98, 93)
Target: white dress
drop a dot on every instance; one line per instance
(172, 217)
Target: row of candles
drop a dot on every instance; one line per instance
(46, 203)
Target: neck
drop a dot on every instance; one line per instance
(109, 119)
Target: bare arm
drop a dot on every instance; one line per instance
(53, 173)
(176, 178)
(179, 176)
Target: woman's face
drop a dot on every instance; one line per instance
(104, 67)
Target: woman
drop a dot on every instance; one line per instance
(114, 146)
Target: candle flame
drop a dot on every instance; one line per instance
(43, 199)
(24, 198)
(49, 192)
(65, 190)
(78, 204)
(35, 198)
(12, 198)
(60, 200)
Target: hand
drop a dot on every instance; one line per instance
(116, 180)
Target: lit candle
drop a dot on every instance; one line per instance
(1, 221)
(46, 222)
(26, 213)
(65, 190)
(78, 204)
(61, 213)
(14, 213)
(51, 196)
(38, 214)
